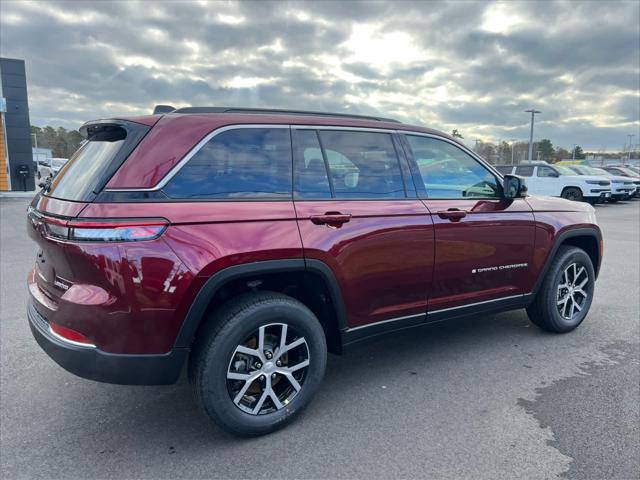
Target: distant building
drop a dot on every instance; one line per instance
(15, 128)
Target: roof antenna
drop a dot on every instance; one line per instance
(163, 109)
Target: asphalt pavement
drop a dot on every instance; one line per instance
(485, 397)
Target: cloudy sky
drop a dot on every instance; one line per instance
(474, 66)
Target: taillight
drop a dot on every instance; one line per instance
(97, 230)
(69, 335)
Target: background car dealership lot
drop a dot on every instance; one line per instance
(475, 398)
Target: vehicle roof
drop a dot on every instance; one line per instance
(320, 119)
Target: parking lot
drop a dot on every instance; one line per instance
(487, 397)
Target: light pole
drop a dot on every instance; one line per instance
(573, 157)
(512, 149)
(630, 143)
(533, 114)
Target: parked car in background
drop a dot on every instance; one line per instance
(247, 244)
(625, 171)
(50, 167)
(622, 188)
(543, 178)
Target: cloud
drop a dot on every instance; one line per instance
(474, 66)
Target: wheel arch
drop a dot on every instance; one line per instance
(577, 187)
(587, 239)
(310, 281)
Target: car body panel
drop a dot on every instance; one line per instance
(494, 234)
(382, 257)
(393, 259)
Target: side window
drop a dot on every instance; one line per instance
(546, 172)
(309, 170)
(449, 172)
(362, 164)
(524, 170)
(504, 169)
(243, 163)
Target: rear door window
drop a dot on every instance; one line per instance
(245, 163)
(310, 172)
(362, 165)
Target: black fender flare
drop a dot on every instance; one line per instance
(560, 239)
(196, 312)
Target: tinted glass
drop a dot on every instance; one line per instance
(310, 173)
(448, 172)
(524, 171)
(363, 165)
(546, 172)
(80, 176)
(242, 163)
(504, 169)
(564, 170)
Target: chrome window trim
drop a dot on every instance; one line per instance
(178, 166)
(345, 128)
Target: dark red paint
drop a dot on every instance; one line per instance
(390, 258)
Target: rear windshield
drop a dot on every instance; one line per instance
(80, 176)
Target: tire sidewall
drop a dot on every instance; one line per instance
(582, 259)
(215, 397)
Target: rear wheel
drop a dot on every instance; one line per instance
(565, 296)
(258, 363)
(572, 193)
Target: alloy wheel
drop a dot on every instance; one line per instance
(268, 369)
(572, 291)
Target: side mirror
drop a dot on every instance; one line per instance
(514, 186)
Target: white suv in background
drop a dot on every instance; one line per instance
(543, 178)
(50, 167)
(622, 188)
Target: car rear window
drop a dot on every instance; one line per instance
(244, 163)
(81, 176)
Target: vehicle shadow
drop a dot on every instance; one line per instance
(166, 419)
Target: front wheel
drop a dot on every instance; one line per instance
(565, 296)
(572, 193)
(258, 363)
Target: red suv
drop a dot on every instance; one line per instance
(246, 244)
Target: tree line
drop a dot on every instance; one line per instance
(504, 152)
(62, 142)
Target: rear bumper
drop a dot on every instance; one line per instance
(94, 364)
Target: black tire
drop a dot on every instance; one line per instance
(544, 311)
(215, 350)
(613, 200)
(572, 193)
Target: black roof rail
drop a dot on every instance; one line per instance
(272, 111)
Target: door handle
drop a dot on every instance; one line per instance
(453, 214)
(333, 219)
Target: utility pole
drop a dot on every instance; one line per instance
(573, 157)
(533, 114)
